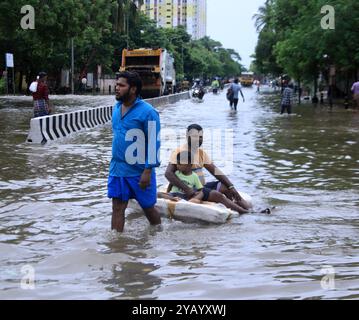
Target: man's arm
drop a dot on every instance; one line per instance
(240, 90)
(218, 174)
(221, 177)
(175, 181)
(46, 97)
(152, 128)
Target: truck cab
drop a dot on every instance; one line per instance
(247, 79)
(155, 67)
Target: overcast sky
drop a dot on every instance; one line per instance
(231, 23)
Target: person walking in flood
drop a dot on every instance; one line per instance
(287, 98)
(40, 95)
(235, 89)
(355, 90)
(135, 152)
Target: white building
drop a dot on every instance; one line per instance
(171, 13)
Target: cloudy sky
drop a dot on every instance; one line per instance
(231, 23)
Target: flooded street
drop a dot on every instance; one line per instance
(55, 215)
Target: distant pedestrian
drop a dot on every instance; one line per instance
(40, 94)
(84, 84)
(355, 90)
(287, 97)
(322, 98)
(258, 84)
(235, 89)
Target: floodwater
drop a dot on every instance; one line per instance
(55, 217)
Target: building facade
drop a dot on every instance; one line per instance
(172, 13)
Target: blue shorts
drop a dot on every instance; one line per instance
(215, 185)
(125, 189)
(206, 193)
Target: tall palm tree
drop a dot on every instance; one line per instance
(262, 18)
(125, 12)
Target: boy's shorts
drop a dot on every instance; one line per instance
(215, 185)
(125, 189)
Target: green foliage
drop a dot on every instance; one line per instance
(101, 29)
(292, 41)
(47, 47)
(2, 86)
(193, 58)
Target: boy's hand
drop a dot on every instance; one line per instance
(190, 193)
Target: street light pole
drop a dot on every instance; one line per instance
(127, 9)
(127, 27)
(72, 66)
(182, 58)
(331, 75)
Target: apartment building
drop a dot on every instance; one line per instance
(171, 13)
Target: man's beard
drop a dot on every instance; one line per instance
(125, 97)
(197, 144)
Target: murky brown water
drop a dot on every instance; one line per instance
(55, 217)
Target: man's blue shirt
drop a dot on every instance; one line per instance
(136, 140)
(236, 88)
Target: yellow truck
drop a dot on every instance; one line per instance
(155, 67)
(247, 79)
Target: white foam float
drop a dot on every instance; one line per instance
(191, 212)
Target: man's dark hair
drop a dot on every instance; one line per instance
(184, 157)
(133, 79)
(42, 74)
(194, 127)
(236, 80)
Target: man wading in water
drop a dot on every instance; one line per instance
(135, 151)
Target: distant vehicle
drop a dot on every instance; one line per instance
(247, 79)
(198, 90)
(155, 67)
(197, 95)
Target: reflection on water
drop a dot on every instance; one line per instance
(133, 280)
(54, 214)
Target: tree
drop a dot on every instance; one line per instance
(263, 17)
(56, 22)
(100, 30)
(291, 39)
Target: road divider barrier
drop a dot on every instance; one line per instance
(58, 126)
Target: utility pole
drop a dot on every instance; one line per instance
(72, 66)
(9, 63)
(7, 81)
(128, 25)
(182, 59)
